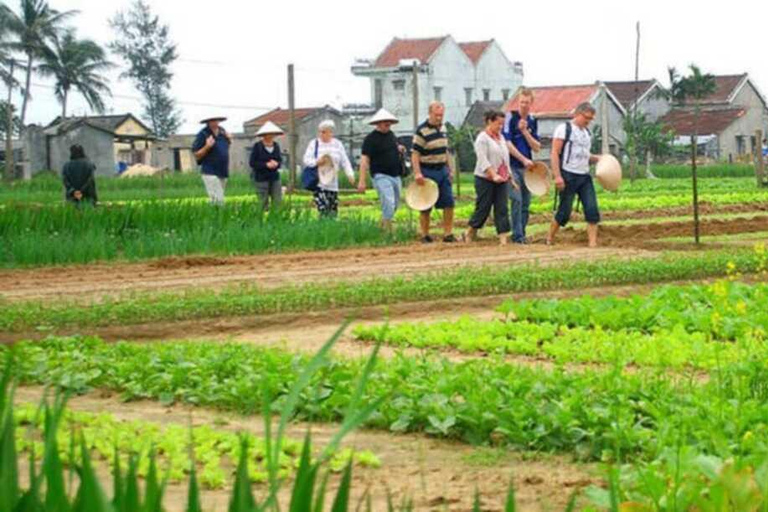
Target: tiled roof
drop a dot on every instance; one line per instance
(725, 85)
(400, 49)
(475, 50)
(629, 92)
(557, 101)
(476, 114)
(711, 121)
(281, 116)
(106, 123)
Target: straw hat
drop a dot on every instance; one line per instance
(537, 179)
(209, 119)
(269, 128)
(422, 197)
(608, 172)
(383, 115)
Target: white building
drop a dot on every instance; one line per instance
(458, 74)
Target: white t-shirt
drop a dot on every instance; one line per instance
(329, 175)
(577, 150)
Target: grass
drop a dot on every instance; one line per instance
(198, 304)
(65, 235)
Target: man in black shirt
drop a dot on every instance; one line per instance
(78, 176)
(382, 156)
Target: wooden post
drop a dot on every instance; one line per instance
(759, 161)
(604, 120)
(415, 88)
(292, 135)
(9, 163)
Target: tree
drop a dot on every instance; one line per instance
(687, 91)
(646, 138)
(15, 123)
(10, 123)
(77, 64)
(35, 27)
(146, 47)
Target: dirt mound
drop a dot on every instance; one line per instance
(190, 262)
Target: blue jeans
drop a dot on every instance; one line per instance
(577, 185)
(388, 188)
(521, 205)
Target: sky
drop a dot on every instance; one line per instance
(233, 55)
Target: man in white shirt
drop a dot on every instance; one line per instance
(571, 157)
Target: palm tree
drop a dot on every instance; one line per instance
(77, 64)
(7, 117)
(691, 90)
(35, 26)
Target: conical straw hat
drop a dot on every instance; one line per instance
(422, 197)
(383, 115)
(608, 173)
(270, 128)
(537, 179)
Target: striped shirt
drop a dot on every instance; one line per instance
(431, 144)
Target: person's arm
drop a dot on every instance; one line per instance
(309, 154)
(345, 163)
(593, 159)
(532, 137)
(277, 156)
(518, 155)
(252, 159)
(365, 163)
(481, 150)
(67, 180)
(557, 148)
(417, 150)
(202, 146)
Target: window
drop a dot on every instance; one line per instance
(486, 95)
(505, 94)
(378, 94)
(398, 85)
(468, 95)
(438, 94)
(740, 145)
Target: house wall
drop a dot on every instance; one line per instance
(495, 72)
(99, 147)
(34, 151)
(654, 107)
(453, 72)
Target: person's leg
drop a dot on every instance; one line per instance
(588, 198)
(500, 211)
(321, 202)
(448, 224)
(517, 209)
(445, 202)
(385, 188)
(276, 193)
(424, 221)
(333, 203)
(526, 208)
(484, 201)
(564, 209)
(213, 189)
(262, 191)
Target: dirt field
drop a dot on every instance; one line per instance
(269, 271)
(439, 475)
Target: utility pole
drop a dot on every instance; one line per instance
(633, 113)
(9, 164)
(292, 136)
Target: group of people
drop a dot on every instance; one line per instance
(504, 150)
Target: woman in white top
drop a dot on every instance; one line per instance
(330, 157)
(492, 179)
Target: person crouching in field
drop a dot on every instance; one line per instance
(211, 148)
(79, 178)
(571, 156)
(382, 155)
(265, 162)
(492, 179)
(328, 155)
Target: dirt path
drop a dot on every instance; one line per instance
(439, 475)
(268, 271)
